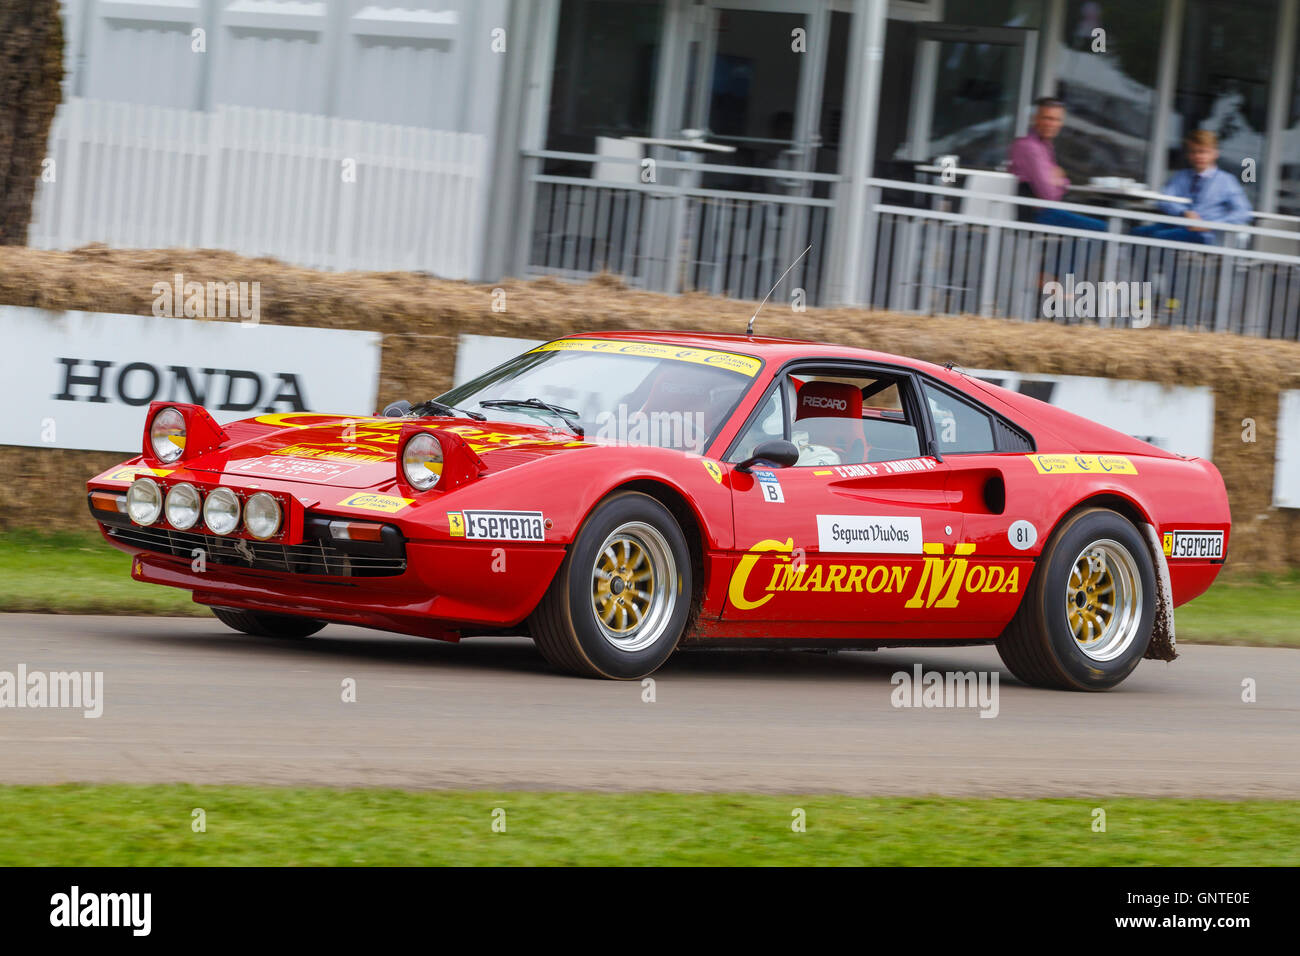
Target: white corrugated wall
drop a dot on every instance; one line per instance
(244, 136)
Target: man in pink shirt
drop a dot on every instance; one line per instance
(1033, 160)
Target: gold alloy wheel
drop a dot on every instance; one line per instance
(1103, 599)
(633, 586)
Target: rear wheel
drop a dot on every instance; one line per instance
(619, 602)
(1086, 618)
(260, 624)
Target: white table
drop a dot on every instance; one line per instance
(1279, 217)
(1138, 194)
(685, 145)
(962, 171)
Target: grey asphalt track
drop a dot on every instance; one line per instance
(187, 700)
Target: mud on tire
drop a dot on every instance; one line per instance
(1087, 614)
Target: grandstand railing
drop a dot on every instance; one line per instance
(672, 234)
(923, 252)
(927, 256)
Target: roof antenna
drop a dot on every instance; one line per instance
(749, 329)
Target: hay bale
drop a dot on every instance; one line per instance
(422, 316)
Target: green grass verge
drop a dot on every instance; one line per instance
(118, 825)
(1262, 611)
(78, 573)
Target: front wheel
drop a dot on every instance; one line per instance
(1087, 615)
(620, 601)
(260, 624)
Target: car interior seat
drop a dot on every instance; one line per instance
(831, 414)
(677, 400)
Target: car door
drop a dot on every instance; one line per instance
(1005, 515)
(862, 529)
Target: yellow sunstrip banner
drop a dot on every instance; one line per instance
(319, 419)
(746, 365)
(1083, 465)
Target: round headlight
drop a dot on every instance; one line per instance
(144, 501)
(262, 515)
(422, 461)
(167, 435)
(183, 506)
(221, 511)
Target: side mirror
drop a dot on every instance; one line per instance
(777, 452)
(397, 409)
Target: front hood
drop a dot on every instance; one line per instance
(353, 452)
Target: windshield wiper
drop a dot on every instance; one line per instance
(566, 415)
(438, 408)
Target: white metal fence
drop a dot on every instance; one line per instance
(316, 191)
(936, 250)
(674, 235)
(929, 258)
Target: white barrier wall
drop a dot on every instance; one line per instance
(85, 379)
(476, 354)
(1286, 469)
(314, 191)
(1177, 418)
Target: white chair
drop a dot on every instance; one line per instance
(1288, 247)
(1003, 184)
(617, 172)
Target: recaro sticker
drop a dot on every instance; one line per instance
(498, 525)
(869, 534)
(1082, 465)
(1193, 544)
(388, 504)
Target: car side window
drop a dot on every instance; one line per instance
(768, 424)
(960, 426)
(846, 418)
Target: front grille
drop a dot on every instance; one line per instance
(315, 557)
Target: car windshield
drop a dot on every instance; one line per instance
(635, 393)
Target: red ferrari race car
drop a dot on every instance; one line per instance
(619, 496)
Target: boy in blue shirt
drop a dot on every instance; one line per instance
(1216, 195)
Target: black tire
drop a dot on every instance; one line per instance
(260, 624)
(567, 626)
(1040, 647)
